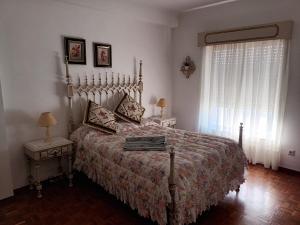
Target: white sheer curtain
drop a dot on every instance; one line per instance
(246, 82)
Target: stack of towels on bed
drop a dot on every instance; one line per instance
(154, 143)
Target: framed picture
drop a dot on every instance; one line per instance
(75, 50)
(102, 55)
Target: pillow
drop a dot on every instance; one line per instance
(100, 118)
(129, 110)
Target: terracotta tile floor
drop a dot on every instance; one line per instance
(267, 197)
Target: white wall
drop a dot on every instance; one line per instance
(35, 79)
(241, 13)
(6, 189)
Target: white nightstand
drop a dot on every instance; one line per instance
(165, 122)
(39, 150)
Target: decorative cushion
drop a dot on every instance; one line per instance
(129, 110)
(100, 118)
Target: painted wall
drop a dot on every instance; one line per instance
(6, 188)
(186, 93)
(35, 79)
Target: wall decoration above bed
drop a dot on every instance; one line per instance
(188, 67)
(75, 50)
(102, 55)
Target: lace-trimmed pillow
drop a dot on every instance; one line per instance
(100, 118)
(129, 110)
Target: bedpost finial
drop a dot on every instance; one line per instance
(67, 69)
(241, 135)
(140, 83)
(140, 72)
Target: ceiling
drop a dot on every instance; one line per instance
(181, 5)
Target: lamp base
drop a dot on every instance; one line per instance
(161, 112)
(48, 137)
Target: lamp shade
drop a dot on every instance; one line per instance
(46, 119)
(162, 102)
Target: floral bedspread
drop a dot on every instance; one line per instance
(206, 169)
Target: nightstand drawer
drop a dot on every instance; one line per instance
(169, 123)
(165, 122)
(66, 150)
(54, 152)
(172, 122)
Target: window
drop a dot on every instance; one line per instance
(246, 82)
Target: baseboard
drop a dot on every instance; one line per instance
(280, 168)
(289, 171)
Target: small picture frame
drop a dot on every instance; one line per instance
(102, 55)
(75, 50)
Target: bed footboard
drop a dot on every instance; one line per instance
(172, 185)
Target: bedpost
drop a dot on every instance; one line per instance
(241, 135)
(140, 83)
(172, 188)
(70, 93)
(241, 145)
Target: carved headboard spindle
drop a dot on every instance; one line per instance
(86, 80)
(118, 82)
(99, 80)
(123, 82)
(79, 81)
(140, 84)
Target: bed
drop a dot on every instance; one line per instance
(169, 187)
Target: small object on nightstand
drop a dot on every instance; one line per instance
(162, 103)
(39, 150)
(47, 120)
(165, 122)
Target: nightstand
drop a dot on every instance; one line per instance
(165, 122)
(39, 150)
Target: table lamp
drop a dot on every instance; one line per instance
(47, 120)
(161, 103)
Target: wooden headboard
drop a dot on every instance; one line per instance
(103, 89)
